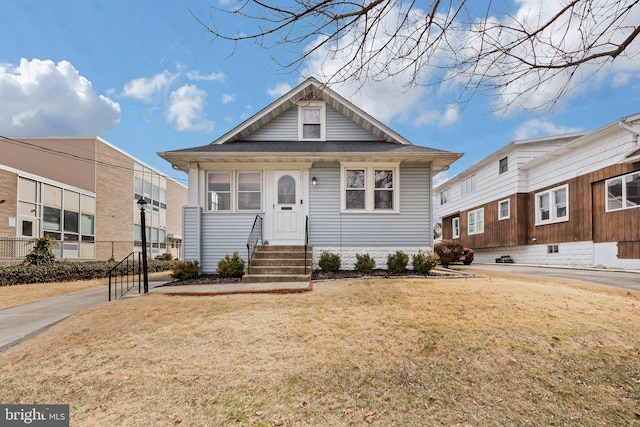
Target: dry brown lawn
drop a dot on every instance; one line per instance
(494, 351)
(11, 296)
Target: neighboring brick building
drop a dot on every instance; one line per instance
(82, 193)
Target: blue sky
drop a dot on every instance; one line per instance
(147, 77)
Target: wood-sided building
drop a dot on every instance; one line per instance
(565, 200)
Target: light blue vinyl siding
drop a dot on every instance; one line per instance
(285, 128)
(223, 234)
(191, 233)
(410, 227)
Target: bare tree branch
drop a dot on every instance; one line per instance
(439, 41)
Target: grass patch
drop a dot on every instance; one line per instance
(502, 350)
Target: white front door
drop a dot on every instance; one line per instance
(287, 215)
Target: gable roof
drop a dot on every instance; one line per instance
(507, 150)
(232, 147)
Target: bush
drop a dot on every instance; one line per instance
(66, 271)
(329, 262)
(423, 263)
(448, 252)
(231, 266)
(42, 253)
(364, 263)
(397, 263)
(184, 270)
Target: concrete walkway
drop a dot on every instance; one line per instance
(24, 321)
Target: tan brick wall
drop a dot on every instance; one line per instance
(67, 160)
(114, 203)
(8, 209)
(176, 200)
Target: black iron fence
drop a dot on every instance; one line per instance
(13, 250)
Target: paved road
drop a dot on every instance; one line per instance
(620, 279)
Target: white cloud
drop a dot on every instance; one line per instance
(227, 98)
(279, 90)
(195, 75)
(395, 60)
(144, 89)
(537, 128)
(450, 116)
(186, 110)
(49, 99)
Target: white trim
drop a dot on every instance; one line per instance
(478, 224)
(315, 105)
(500, 217)
(369, 186)
(625, 196)
(455, 229)
(553, 209)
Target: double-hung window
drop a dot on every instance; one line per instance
(455, 226)
(552, 205)
(468, 185)
(239, 191)
(444, 196)
(504, 209)
(503, 165)
(623, 192)
(475, 221)
(370, 188)
(219, 191)
(311, 121)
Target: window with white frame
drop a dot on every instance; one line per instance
(444, 196)
(623, 192)
(370, 188)
(219, 191)
(504, 209)
(455, 226)
(229, 191)
(503, 165)
(552, 205)
(311, 121)
(468, 185)
(475, 221)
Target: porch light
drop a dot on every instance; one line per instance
(314, 181)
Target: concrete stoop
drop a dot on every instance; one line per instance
(279, 263)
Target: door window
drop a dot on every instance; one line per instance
(286, 190)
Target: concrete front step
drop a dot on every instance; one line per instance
(267, 278)
(278, 269)
(276, 262)
(279, 263)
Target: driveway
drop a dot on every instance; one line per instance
(620, 279)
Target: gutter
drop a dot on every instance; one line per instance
(631, 130)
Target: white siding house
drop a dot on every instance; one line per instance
(309, 168)
(547, 200)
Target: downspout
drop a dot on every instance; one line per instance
(631, 130)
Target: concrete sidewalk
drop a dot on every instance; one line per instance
(235, 288)
(24, 321)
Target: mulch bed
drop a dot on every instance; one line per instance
(214, 279)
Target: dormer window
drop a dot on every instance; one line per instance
(311, 121)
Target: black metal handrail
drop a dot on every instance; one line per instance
(123, 275)
(306, 242)
(255, 236)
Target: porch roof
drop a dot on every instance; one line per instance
(308, 151)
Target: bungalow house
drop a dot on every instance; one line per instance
(309, 168)
(569, 200)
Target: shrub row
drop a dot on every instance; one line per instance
(67, 271)
(397, 262)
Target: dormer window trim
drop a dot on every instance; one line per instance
(312, 114)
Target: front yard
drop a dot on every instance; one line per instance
(500, 350)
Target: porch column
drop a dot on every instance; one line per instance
(193, 199)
